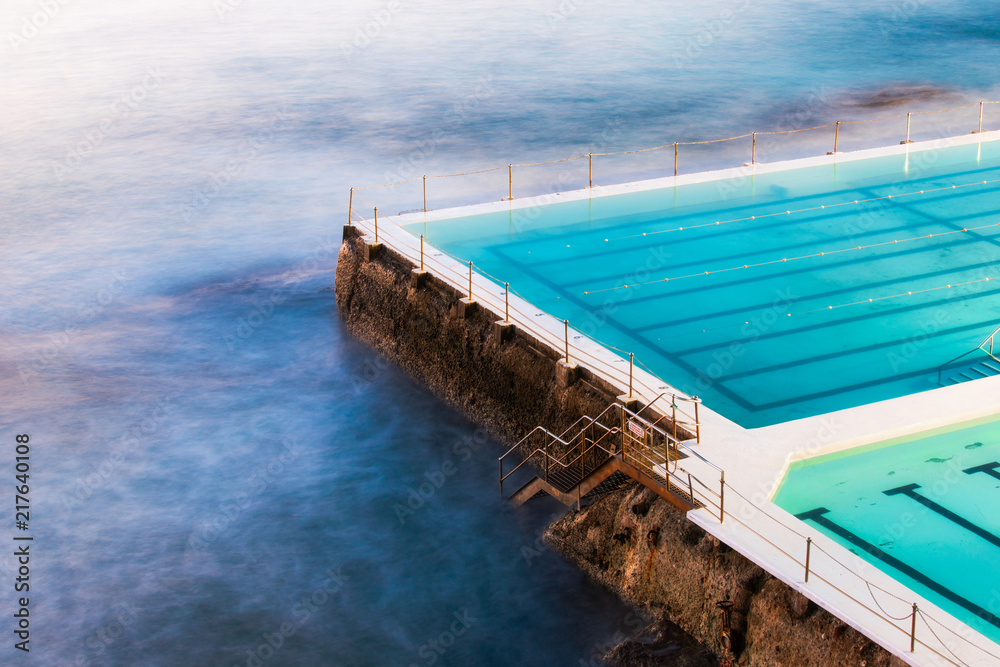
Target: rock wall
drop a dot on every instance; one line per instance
(631, 540)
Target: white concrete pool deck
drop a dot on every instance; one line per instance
(755, 460)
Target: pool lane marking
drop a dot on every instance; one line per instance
(822, 253)
(910, 490)
(988, 468)
(816, 515)
(803, 210)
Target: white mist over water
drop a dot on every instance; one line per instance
(174, 179)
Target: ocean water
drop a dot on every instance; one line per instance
(219, 475)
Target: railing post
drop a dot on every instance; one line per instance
(753, 151)
(376, 224)
(697, 420)
(675, 158)
(421, 252)
(690, 488)
(510, 181)
(506, 302)
(631, 363)
(913, 629)
(566, 322)
(470, 280)
(722, 497)
(907, 128)
(809, 544)
(350, 210)
(591, 155)
(425, 194)
(673, 407)
(836, 137)
(981, 104)
(546, 457)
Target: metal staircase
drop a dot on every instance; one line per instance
(599, 454)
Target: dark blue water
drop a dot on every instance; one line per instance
(215, 465)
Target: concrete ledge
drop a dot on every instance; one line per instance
(464, 308)
(372, 250)
(566, 374)
(630, 402)
(503, 331)
(418, 278)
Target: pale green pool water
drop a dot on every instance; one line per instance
(941, 538)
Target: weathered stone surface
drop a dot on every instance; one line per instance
(686, 572)
(632, 541)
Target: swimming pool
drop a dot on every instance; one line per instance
(922, 510)
(774, 296)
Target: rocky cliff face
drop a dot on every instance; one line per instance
(639, 545)
(630, 540)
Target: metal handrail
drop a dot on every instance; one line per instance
(988, 339)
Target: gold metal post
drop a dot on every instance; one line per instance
(506, 302)
(753, 150)
(913, 629)
(376, 224)
(470, 280)
(722, 497)
(421, 252)
(697, 421)
(836, 137)
(566, 322)
(809, 544)
(675, 158)
(907, 128)
(981, 104)
(510, 181)
(631, 362)
(591, 155)
(425, 194)
(350, 210)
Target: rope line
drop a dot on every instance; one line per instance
(680, 143)
(964, 106)
(946, 648)
(941, 625)
(468, 173)
(801, 210)
(869, 585)
(801, 129)
(893, 296)
(387, 185)
(822, 253)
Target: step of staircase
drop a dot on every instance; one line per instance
(979, 370)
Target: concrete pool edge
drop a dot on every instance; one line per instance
(458, 356)
(755, 459)
(746, 171)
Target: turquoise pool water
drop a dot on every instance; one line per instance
(814, 323)
(922, 511)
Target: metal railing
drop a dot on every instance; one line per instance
(625, 434)
(904, 621)
(461, 274)
(835, 142)
(576, 447)
(982, 346)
